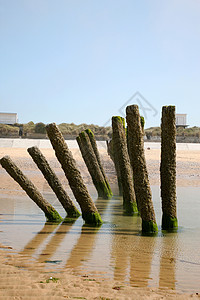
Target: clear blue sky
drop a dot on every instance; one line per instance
(80, 60)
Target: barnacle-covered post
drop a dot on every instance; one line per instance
(168, 168)
(121, 155)
(89, 211)
(54, 182)
(110, 151)
(140, 174)
(92, 165)
(142, 122)
(96, 152)
(12, 169)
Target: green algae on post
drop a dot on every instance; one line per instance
(53, 182)
(120, 153)
(72, 174)
(92, 165)
(96, 152)
(52, 215)
(142, 123)
(130, 208)
(168, 222)
(149, 227)
(168, 168)
(140, 174)
(49, 211)
(92, 218)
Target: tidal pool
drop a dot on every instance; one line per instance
(116, 250)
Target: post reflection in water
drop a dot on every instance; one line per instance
(167, 278)
(86, 243)
(83, 248)
(116, 250)
(132, 253)
(54, 243)
(38, 239)
(52, 246)
(141, 261)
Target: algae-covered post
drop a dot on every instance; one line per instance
(121, 155)
(168, 167)
(110, 151)
(54, 182)
(96, 152)
(142, 121)
(50, 212)
(89, 211)
(92, 165)
(140, 174)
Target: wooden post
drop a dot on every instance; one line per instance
(54, 182)
(110, 151)
(92, 165)
(121, 156)
(140, 174)
(168, 168)
(142, 122)
(96, 152)
(89, 211)
(49, 211)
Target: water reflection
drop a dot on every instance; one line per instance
(132, 253)
(53, 245)
(116, 249)
(86, 243)
(122, 247)
(83, 248)
(168, 255)
(141, 261)
(38, 239)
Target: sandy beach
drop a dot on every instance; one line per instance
(22, 278)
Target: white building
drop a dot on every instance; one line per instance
(8, 118)
(181, 120)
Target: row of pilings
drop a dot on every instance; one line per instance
(126, 149)
(89, 211)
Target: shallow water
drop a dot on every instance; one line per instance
(116, 250)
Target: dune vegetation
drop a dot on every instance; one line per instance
(71, 129)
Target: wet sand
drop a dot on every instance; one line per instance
(22, 278)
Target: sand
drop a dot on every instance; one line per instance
(21, 278)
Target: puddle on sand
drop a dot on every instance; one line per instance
(116, 250)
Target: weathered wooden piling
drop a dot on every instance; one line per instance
(89, 211)
(168, 168)
(142, 122)
(92, 165)
(54, 182)
(49, 211)
(96, 152)
(110, 151)
(121, 155)
(140, 174)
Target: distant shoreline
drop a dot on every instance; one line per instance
(152, 139)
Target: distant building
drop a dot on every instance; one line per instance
(181, 120)
(8, 118)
